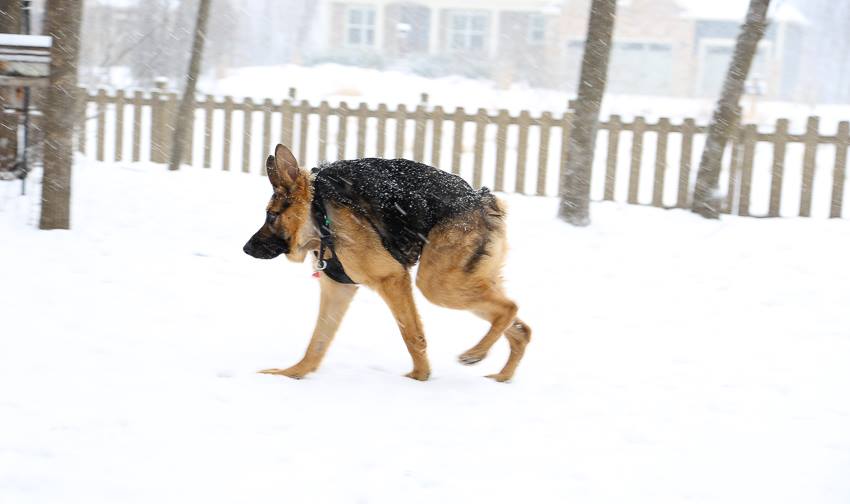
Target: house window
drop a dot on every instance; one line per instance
(360, 27)
(536, 29)
(468, 31)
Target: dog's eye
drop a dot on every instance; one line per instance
(270, 218)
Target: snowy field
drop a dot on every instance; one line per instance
(673, 360)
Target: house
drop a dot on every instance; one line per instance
(478, 37)
(661, 47)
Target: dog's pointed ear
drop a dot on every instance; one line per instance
(271, 170)
(285, 165)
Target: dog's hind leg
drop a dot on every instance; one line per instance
(335, 300)
(397, 292)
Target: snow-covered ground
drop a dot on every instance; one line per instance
(354, 85)
(673, 360)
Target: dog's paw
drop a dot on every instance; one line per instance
(500, 377)
(419, 375)
(293, 372)
(471, 357)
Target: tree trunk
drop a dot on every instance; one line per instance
(10, 22)
(186, 112)
(726, 115)
(63, 24)
(575, 184)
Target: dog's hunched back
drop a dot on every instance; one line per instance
(401, 199)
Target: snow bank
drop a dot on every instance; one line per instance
(673, 359)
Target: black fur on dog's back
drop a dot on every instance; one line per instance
(401, 199)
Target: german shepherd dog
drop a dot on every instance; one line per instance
(366, 222)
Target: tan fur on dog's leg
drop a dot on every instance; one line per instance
(518, 334)
(397, 292)
(335, 300)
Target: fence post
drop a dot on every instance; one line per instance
(137, 125)
(119, 125)
(286, 121)
(660, 162)
(840, 171)
(381, 141)
(304, 130)
(400, 124)
(436, 135)
(341, 132)
(100, 100)
(362, 115)
(82, 112)
(267, 134)
(543, 152)
(809, 158)
(247, 133)
(614, 127)
(780, 140)
(502, 121)
(419, 131)
(750, 138)
(566, 131)
(228, 128)
(683, 196)
(523, 123)
(457, 141)
(478, 162)
(324, 108)
(638, 128)
(209, 110)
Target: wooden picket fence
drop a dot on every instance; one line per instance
(138, 126)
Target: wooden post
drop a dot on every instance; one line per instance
(82, 118)
(419, 134)
(436, 135)
(683, 196)
(660, 162)
(362, 115)
(566, 131)
(840, 171)
(100, 100)
(303, 131)
(809, 159)
(247, 133)
(780, 140)
(157, 124)
(748, 158)
(137, 125)
(228, 128)
(267, 146)
(400, 124)
(523, 123)
(209, 111)
(457, 141)
(478, 163)
(286, 122)
(543, 152)
(169, 109)
(119, 124)
(638, 128)
(736, 139)
(341, 132)
(381, 141)
(614, 127)
(502, 121)
(324, 110)
(188, 153)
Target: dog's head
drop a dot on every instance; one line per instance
(288, 210)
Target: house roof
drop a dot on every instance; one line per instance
(736, 10)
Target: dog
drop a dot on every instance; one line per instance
(367, 222)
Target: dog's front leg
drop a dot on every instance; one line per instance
(397, 292)
(335, 300)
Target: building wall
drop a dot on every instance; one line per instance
(655, 22)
